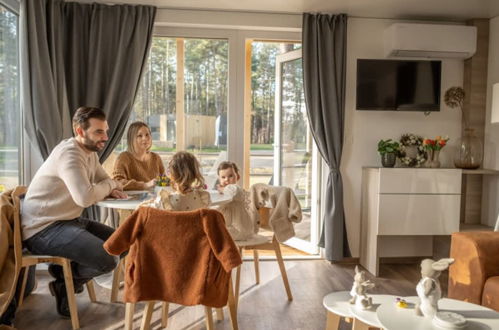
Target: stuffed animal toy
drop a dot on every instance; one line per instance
(428, 288)
(359, 289)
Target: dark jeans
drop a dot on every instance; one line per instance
(79, 240)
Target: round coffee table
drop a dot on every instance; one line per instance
(363, 319)
(337, 305)
(392, 317)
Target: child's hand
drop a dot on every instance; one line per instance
(220, 189)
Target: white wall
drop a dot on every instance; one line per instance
(363, 129)
(490, 204)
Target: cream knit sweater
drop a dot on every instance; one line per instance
(68, 181)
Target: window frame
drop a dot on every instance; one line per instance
(237, 129)
(14, 7)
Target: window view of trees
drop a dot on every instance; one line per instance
(203, 106)
(9, 99)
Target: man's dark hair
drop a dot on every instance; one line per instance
(82, 116)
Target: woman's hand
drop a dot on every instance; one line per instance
(150, 184)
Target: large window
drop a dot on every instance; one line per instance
(10, 167)
(183, 98)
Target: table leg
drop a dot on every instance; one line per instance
(359, 325)
(333, 321)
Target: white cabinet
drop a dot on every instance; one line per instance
(406, 202)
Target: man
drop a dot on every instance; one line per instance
(70, 180)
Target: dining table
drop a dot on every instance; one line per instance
(136, 197)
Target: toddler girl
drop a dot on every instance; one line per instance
(187, 193)
(237, 212)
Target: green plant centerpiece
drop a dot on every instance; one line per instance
(388, 149)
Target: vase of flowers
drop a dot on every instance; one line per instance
(433, 148)
(469, 154)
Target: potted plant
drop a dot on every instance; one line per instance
(388, 150)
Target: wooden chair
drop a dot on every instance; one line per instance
(263, 243)
(26, 260)
(169, 220)
(208, 312)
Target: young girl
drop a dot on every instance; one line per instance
(138, 167)
(187, 185)
(237, 212)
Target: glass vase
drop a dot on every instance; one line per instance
(469, 153)
(433, 161)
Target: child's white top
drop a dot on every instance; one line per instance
(237, 213)
(175, 201)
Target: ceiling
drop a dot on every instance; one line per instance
(456, 10)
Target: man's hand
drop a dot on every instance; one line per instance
(118, 194)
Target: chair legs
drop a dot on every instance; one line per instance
(208, 313)
(274, 245)
(232, 304)
(164, 314)
(23, 286)
(146, 318)
(70, 291)
(257, 266)
(280, 261)
(129, 311)
(117, 276)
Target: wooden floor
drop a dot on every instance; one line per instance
(262, 306)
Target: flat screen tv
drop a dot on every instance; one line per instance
(398, 85)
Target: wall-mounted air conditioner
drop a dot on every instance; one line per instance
(430, 40)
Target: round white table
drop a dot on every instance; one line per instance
(392, 317)
(337, 305)
(217, 199)
(363, 319)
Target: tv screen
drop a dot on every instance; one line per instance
(398, 85)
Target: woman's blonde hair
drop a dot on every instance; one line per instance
(133, 130)
(184, 172)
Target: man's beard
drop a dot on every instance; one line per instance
(92, 145)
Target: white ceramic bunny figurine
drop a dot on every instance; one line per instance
(359, 289)
(428, 288)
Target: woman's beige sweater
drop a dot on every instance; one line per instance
(133, 173)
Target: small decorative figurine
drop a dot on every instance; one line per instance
(359, 289)
(401, 303)
(428, 288)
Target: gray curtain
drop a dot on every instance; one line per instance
(76, 54)
(324, 74)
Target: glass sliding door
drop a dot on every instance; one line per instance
(295, 155)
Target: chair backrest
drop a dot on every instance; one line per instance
(11, 244)
(184, 251)
(18, 244)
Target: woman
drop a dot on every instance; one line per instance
(138, 167)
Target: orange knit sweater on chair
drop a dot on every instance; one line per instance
(178, 257)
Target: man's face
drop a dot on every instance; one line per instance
(94, 138)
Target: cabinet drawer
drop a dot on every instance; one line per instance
(418, 214)
(420, 181)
